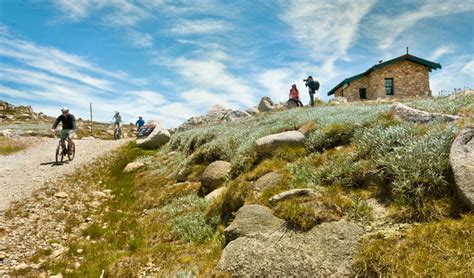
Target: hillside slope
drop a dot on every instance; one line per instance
(348, 190)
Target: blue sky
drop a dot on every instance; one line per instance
(170, 60)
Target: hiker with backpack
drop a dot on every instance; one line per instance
(313, 86)
(295, 96)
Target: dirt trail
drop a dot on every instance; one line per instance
(22, 173)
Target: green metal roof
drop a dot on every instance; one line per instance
(430, 65)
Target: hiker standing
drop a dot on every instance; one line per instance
(313, 86)
(295, 95)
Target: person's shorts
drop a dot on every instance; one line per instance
(66, 133)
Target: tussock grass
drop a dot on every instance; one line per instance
(436, 249)
(461, 105)
(10, 146)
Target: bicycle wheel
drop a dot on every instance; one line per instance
(71, 151)
(116, 134)
(59, 154)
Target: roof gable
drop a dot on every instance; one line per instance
(407, 57)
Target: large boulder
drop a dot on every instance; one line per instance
(157, 138)
(253, 111)
(260, 245)
(462, 162)
(216, 115)
(269, 143)
(215, 175)
(269, 180)
(406, 113)
(252, 221)
(233, 115)
(215, 194)
(265, 105)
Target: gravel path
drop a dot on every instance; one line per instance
(23, 172)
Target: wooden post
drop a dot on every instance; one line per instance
(92, 133)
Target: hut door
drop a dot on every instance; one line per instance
(363, 93)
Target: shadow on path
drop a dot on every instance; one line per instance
(54, 163)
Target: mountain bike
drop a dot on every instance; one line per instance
(65, 149)
(117, 132)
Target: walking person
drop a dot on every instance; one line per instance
(313, 86)
(295, 95)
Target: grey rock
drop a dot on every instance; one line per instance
(265, 105)
(462, 162)
(327, 250)
(133, 166)
(338, 100)
(215, 194)
(406, 113)
(292, 193)
(252, 220)
(253, 111)
(269, 180)
(157, 138)
(216, 115)
(215, 175)
(269, 143)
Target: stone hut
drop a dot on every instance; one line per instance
(401, 77)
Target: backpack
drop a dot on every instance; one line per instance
(314, 85)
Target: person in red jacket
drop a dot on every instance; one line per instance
(295, 95)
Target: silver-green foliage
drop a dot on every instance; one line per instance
(450, 105)
(235, 142)
(187, 220)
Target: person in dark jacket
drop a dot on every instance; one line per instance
(140, 122)
(313, 86)
(69, 125)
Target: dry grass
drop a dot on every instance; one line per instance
(9, 146)
(436, 249)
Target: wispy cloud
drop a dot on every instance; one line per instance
(202, 26)
(327, 28)
(389, 28)
(456, 73)
(441, 51)
(139, 39)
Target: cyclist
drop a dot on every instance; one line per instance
(69, 126)
(117, 118)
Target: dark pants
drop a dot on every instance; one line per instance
(297, 101)
(311, 99)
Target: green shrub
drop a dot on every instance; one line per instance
(360, 210)
(419, 170)
(334, 135)
(187, 219)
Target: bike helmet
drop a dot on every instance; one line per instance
(64, 109)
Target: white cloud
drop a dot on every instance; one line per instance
(199, 27)
(441, 51)
(389, 28)
(457, 73)
(328, 29)
(139, 40)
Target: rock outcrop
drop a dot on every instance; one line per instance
(269, 143)
(406, 113)
(265, 105)
(216, 115)
(215, 194)
(259, 245)
(215, 175)
(157, 138)
(462, 162)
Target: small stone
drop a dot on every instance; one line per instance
(3, 256)
(77, 265)
(61, 195)
(21, 266)
(291, 193)
(88, 220)
(59, 275)
(79, 251)
(100, 194)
